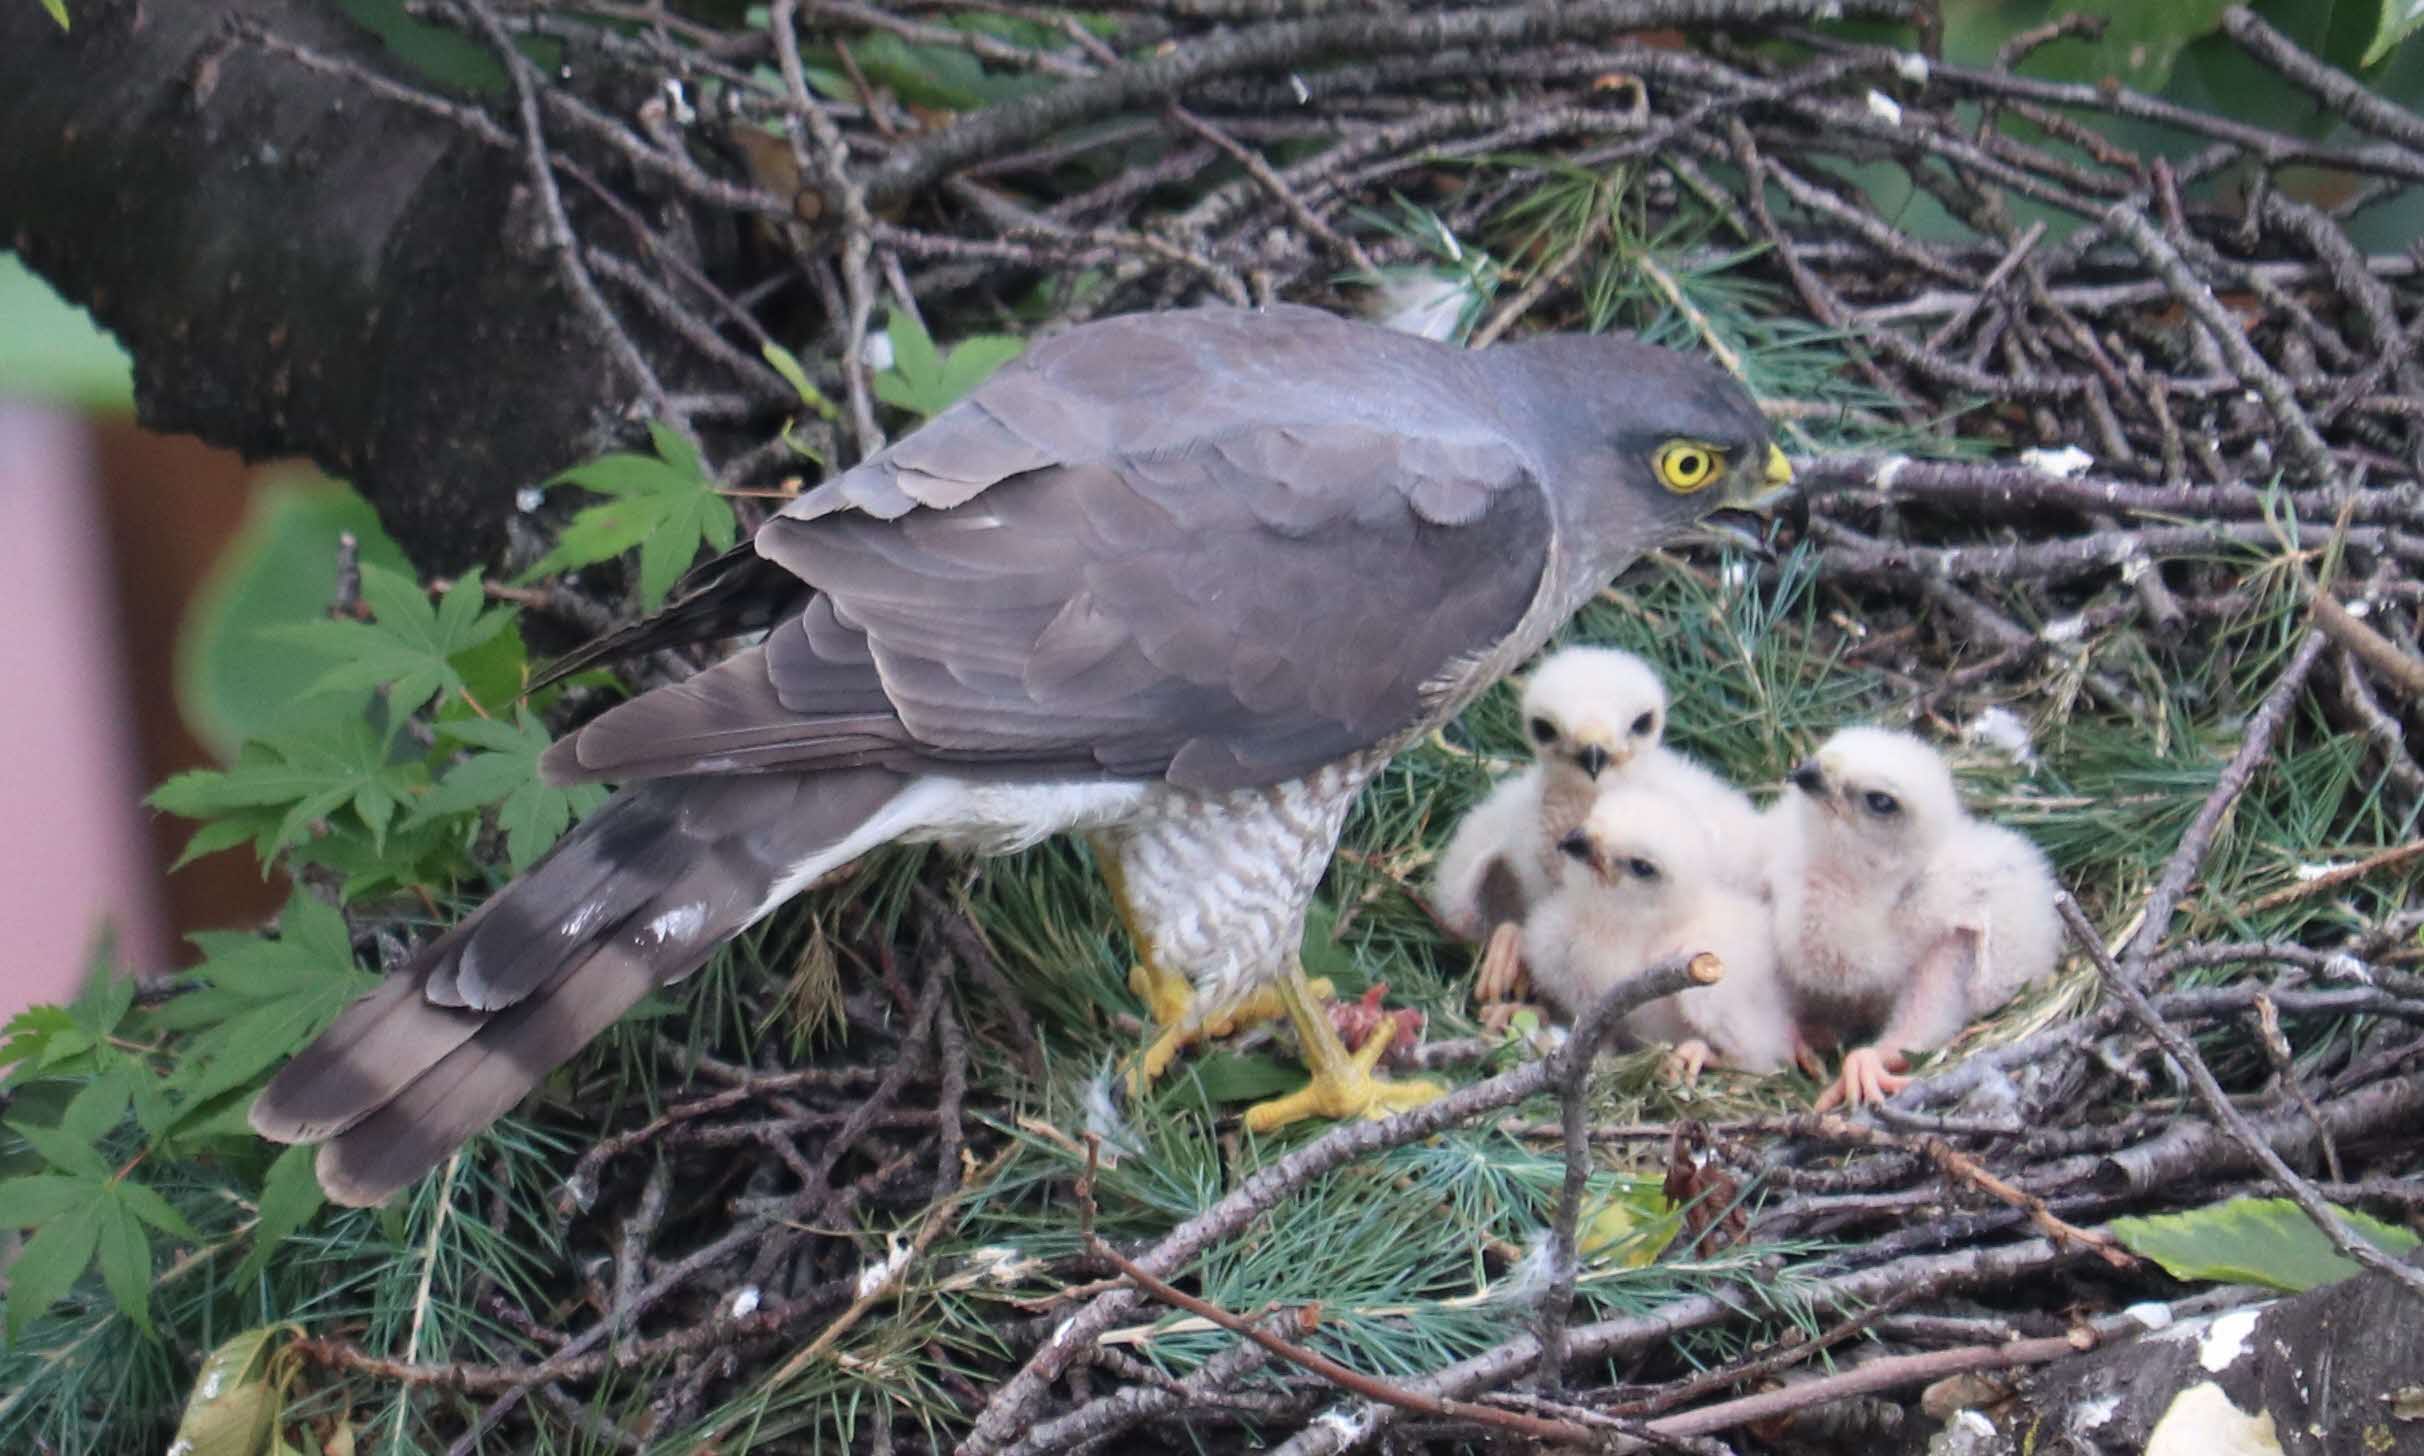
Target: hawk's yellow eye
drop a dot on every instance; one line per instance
(1685, 466)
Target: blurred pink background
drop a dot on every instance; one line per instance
(109, 531)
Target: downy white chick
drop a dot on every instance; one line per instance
(1641, 881)
(1895, 910)
(1594, 716)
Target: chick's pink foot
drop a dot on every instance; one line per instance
(1869, 1075)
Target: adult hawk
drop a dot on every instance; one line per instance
(1180, 582)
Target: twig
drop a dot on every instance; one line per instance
(2370, 647)
(1013, 1402)
(1572, 1077)
(2335, 877)
(1887, 1373)
(1308, 1319)
(2217, 1102)
(2255, 746)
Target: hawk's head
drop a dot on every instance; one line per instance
(1642, 442)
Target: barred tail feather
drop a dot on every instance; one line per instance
(636, 897)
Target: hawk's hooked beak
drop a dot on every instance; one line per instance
(1751, 503)
(1593, 758)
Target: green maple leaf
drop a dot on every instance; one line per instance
(264, 998)
(410, 647)
(665, 504)
(925, 381)
(505, 772)
(342, 764)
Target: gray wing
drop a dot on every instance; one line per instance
(1235, 613)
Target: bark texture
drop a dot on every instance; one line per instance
(297, 265)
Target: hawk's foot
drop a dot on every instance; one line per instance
(1343, 1084)
(1170, 999)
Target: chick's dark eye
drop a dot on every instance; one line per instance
(1644, 724)
(1881, 804)
(1643, 870)
(1543, 730)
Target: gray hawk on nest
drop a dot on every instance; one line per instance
(1179, 582)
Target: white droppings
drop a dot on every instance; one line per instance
(1352, 1426)
(1912, 67)
(2061, 464)
(529, 498)
(2004, 731)
(682, 112)
(1885, 108)
(1734, 575)
(181, 1447)
(1060, 1332)
(1426, 305)
(2360, 608)
(876, 352)
(2227, 1339)
(2093, 1413)
(1297, 86)
(1971, 1423)
(876, 1278)
(2151, 1316)
(2309, 871)
(2343, 966)
(1103, 1119)
(679, 923)
(2063, 630)
(745, 1301)
(211, 1385)
(1529, 1279)
(1888, 470)
(2201, 1421)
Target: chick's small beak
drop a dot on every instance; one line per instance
(1810, 779)
(1576, 845)
(1593, 758)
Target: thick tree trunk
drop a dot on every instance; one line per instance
(298, 265)
(2338, 1371)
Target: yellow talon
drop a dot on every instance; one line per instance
(1168, 997)
(1343, 1083)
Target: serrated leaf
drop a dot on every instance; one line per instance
(126, 1259)
(30, 1035)
(46, 1268)
(57, 9)
(924, 382)
(309, 775)
(63, 1150)
(290, 1195)
(2253, 1241)
(410, 646)
(664, 504)
(239, 827)
(26, 1202)
(788, 365)
(235, 1404)
(2398, 20)
(532, 812)
(97, 1110)
(264, 998)
(103, 1003)
(145, 1203)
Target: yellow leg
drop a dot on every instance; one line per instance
(1171, 1001)
(1343, 1083)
